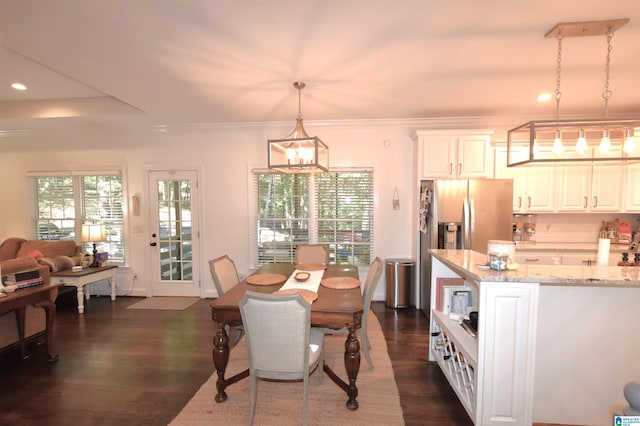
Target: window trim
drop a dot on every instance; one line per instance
(32, 175)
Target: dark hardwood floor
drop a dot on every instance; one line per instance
(140, 367)
(425, 395)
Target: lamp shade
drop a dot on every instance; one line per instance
(93, 232)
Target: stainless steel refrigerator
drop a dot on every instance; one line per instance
(461, 214)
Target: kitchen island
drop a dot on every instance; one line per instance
(555, 344)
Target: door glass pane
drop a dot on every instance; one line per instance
(174, 221)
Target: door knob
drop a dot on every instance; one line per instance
(153, 244)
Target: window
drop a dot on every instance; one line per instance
(64, 202)
(334, 208)
(345, 215)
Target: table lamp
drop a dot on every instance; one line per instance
(93, 233)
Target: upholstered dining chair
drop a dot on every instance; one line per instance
(225, 276)
(311, 253)
(370, 284)
(280, 341)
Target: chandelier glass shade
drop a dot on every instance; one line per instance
(598, 141)
(298, 152)
(567, 141)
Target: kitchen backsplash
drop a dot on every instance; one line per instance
(577, 228)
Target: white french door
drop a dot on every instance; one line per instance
(173, 197)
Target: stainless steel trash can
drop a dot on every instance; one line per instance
(400, 279)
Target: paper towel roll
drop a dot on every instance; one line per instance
(604, 244)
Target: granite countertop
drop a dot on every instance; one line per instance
(533, 246)
(471, 264)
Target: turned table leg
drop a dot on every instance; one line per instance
(220, 359)
(352, 365)
(80, 297)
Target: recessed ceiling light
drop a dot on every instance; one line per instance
(19, 86)
(544, 97)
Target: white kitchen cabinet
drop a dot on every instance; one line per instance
(460, 154)
(563, 257)
(632, 189)
(590, 258)
(533, 185)
(538, 258)
(581, 259)
(583, 187)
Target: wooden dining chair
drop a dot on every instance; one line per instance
(225, 276)
(280, 341)
(311, 253)
(370, 284)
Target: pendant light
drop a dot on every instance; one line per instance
(629, 144)
(612, 141)
(298, 152)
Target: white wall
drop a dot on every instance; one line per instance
(224, 156)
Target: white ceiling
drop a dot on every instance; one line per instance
(225, 61)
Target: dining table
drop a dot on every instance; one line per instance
(334, 308)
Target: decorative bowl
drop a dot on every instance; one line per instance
(302, 276)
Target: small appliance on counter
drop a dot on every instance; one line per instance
(500, 253)
(524, 227)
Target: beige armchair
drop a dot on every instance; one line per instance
(281, 343)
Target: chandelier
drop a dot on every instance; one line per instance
(298, 152)
(566, 141)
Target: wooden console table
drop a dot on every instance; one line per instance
(85, 277)
(41, 296)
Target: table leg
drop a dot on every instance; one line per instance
(80, 297)
(50, 314)
(20, 319)
(220, 359)
(352, 365)
(112, 284)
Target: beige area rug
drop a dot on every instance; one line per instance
(165, 303)
(281, 403)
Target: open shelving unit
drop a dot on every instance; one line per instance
(456, 353)
(492, 372)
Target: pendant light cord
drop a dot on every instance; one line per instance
(607, 69)
(299, 85)
(558, 94)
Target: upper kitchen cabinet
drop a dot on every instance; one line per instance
(585, 187)
(632, 189)
(533, 185)
(453, 154)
